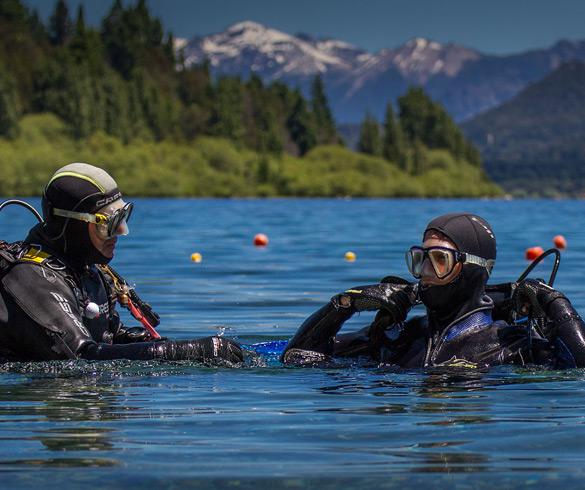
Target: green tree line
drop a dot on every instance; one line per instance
(125, 79)
(421, 123)
(123, 84)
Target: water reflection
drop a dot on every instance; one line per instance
(65, 400)
(438, 407)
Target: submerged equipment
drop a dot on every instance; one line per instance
(125, 294)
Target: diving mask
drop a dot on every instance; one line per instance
(443, 260)
(111, 221)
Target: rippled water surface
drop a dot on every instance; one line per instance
(136, 425)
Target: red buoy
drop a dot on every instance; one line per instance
(560, 242)
(533, 253)
(260, 240)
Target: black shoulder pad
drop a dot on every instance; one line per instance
(45, 297)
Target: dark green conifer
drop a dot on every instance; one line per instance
(300, 125)
(324, 123)
(169, 48)
(418, 158)
(393, 143)
(370, 142)
(13, 11)
(37, 28)
(227, 113)
(9, 106)
(60, 25)
(414, 109)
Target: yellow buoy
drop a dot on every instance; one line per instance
(350, 256)
(196, 257)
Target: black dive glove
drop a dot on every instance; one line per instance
(395, 295)
(534, 297)
(129, 335)
(205, 349)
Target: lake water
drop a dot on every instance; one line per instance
(125, 425)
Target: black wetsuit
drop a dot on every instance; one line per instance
(43, 301)
(460, 328)
(469, 338)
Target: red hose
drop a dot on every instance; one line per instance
(136, 313)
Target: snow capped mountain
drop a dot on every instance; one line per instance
(251, 47)
(420, 59)
(465, 81)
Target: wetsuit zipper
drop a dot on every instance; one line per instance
(432, 352)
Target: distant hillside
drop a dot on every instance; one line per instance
(535, 143)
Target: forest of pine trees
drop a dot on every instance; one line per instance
(123, 83)
(421, 123)
(125, 79)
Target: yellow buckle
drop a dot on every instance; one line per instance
(101, 219)
(35, 255)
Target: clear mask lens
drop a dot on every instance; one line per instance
(414, 259)
(442, 260)
(117, 222)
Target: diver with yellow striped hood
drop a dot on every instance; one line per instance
(57, 295)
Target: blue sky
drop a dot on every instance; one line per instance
(492, 26)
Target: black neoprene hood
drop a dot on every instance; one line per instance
(79, 187)
(82, 188)
(471, 233)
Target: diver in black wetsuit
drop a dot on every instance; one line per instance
(459, 329)
(56, 303)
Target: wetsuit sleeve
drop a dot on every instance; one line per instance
(47, 301)
(317, 333)
(200, 350)
(568, 327)
(352, 344)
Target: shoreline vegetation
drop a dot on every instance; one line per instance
(121, 97)
(215, 167)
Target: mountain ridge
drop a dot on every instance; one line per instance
(536, 140)
(466, 81)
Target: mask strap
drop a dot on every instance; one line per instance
(474, 259)
(99, 219)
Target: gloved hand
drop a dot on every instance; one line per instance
(395, 295)
(205, 349)
(129, 335)
(534, 296)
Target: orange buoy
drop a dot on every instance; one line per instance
(560, 242)
(196, 257)
(533, 253)
(350, 256)
(260, 240)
